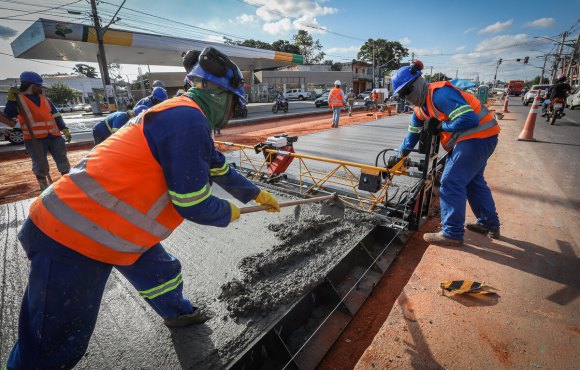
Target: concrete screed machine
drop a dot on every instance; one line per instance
(399, 191)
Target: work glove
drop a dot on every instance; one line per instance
(67, 135)
(235, 212)
(12, 93)
(432, 125)
(265, 198)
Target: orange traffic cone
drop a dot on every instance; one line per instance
(505, 104)
(527, 133)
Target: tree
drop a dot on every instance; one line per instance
(385, 52)
(60, 93)
(85, 70)
(311, 50)
(438, 77)
(251, 43)
(285, 46)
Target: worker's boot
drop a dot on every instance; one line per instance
(440, 239)
(478, 228)
(197, 317)
(43, 182)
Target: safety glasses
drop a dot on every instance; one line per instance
(406, 90)
(217, 63)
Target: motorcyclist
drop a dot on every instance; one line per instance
(559, 90)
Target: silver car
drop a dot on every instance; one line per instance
(531, 94)
(573, 99)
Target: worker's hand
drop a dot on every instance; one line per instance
(235, 212)
(432, 125)
(265, 198)
(12, 93)
(67, 135)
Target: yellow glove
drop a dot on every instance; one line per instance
(265, 198)
(12, 93)
(235, 212)
(67, 135)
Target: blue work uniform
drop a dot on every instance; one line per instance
(111, 124)
(462, 177)
(146, 101)
(54, 333)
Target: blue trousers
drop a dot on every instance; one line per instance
(54, 145)
(62, 299)
(335, 115)
(463, 180)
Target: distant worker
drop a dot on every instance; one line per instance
(113, 122)
(350, 100)
(157, 96)
(469, 132)
(117, 205)
(46, 123)
(559, 90)
(335, 102)
(375, 99)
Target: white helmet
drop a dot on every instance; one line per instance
(337, 83)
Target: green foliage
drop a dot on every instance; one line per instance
(437, 77)
(285, 46)
(536, 81)
(311, 50)
(85, 70)
(60, 93)
(385, 51)
(279, 45)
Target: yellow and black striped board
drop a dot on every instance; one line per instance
(464, 286)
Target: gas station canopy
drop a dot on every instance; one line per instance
(48, 39)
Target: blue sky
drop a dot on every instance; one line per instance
(449, 36)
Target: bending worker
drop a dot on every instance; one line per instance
(117, 205)
(157, 96)
(113, 122)
(469, 132)
(336, 102)
(46, 123)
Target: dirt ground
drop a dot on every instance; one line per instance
(17, 181)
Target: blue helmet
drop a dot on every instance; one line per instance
(159, 94)
(216, 67)
(31, 77)
(140, 108)
(406, 75)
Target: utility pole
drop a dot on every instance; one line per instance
(543, 68)
(495, 76)
(557, 63)
(102, 59)
(142, 83)
(456, 73)
(569, 70)
(373, 84)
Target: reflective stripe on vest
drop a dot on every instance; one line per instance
(40, 128)
(223, 170)
(334, 98)
(459, 134)
(190, 199)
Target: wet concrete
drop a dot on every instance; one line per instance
(245, 275)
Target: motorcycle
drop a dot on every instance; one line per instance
(280, 104)
(555, 110)
(240, 111)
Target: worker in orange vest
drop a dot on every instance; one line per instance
(335, 102)
(116, 206)
(469, 132)
(46, 123)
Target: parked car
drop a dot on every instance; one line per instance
(531, 94)
(79, 107)
(297, 94)
(63, 108)
(12, 134)
(573, 99)
(322, 100)
(365, 95)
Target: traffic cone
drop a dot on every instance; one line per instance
(527, 133)
(505, 104)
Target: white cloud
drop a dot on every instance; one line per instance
(469, 30)
(244, 19)
(405, 41)
(540, 23)
(496, 27)
(505, 43)
(215, 38)
(421, 53)
(343, 51)
(459, 48)
(274, 13)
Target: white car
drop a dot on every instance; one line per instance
(63, 108)
(297, 94)
(11, 134)
(531, 94)
(573, 99)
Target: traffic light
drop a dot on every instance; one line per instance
(526, 59)
(500, 60)
(517, 60)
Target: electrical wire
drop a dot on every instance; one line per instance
(39, 61)
(41, 11)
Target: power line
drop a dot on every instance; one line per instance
(39, 61)
(41, 11)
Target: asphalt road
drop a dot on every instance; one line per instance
(557, 145)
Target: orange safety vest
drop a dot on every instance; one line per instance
(114, 205)
(335, 98)
(487, 127)
(39, 117)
